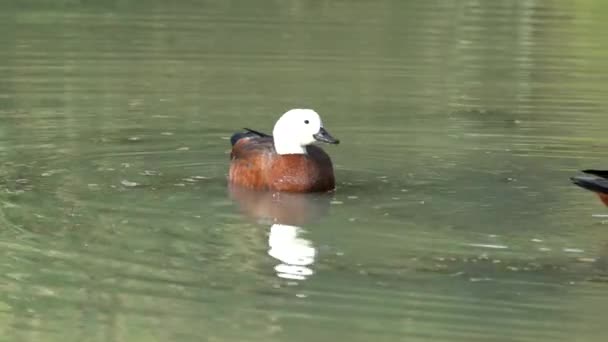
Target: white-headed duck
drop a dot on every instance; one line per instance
(286, 161)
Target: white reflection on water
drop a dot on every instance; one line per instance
(297, 255)
(286, 213)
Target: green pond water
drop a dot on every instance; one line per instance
(454, 218)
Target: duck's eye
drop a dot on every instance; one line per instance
(306, 122)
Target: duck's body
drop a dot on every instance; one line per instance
(255, 164)
(595, 181)
(259, 161)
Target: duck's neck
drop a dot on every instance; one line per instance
(284, 146)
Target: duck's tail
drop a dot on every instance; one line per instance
(599, 173)
(248, 133)
(592, 183)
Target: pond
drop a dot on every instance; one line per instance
(454, 218)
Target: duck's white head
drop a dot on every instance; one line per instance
(298, 128)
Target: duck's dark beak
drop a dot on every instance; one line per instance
(324, 136)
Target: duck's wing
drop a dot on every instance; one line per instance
(249, 161)
(249, 133)
(593, 183)
(258, 133)
(599, 173)
(252, 146)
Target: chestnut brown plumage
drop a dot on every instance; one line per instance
(292, 164)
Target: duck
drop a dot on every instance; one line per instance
(288, 160)
(595, 181)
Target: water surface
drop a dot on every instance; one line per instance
(454, 219)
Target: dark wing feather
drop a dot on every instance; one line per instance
(595, 184)
(258, 133)
(599, 173)
(249, 133)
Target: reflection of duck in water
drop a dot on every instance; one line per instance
(595, 181)
(286, 213)
(295, 253)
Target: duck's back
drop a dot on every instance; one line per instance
(256, 165)
(249, 161)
